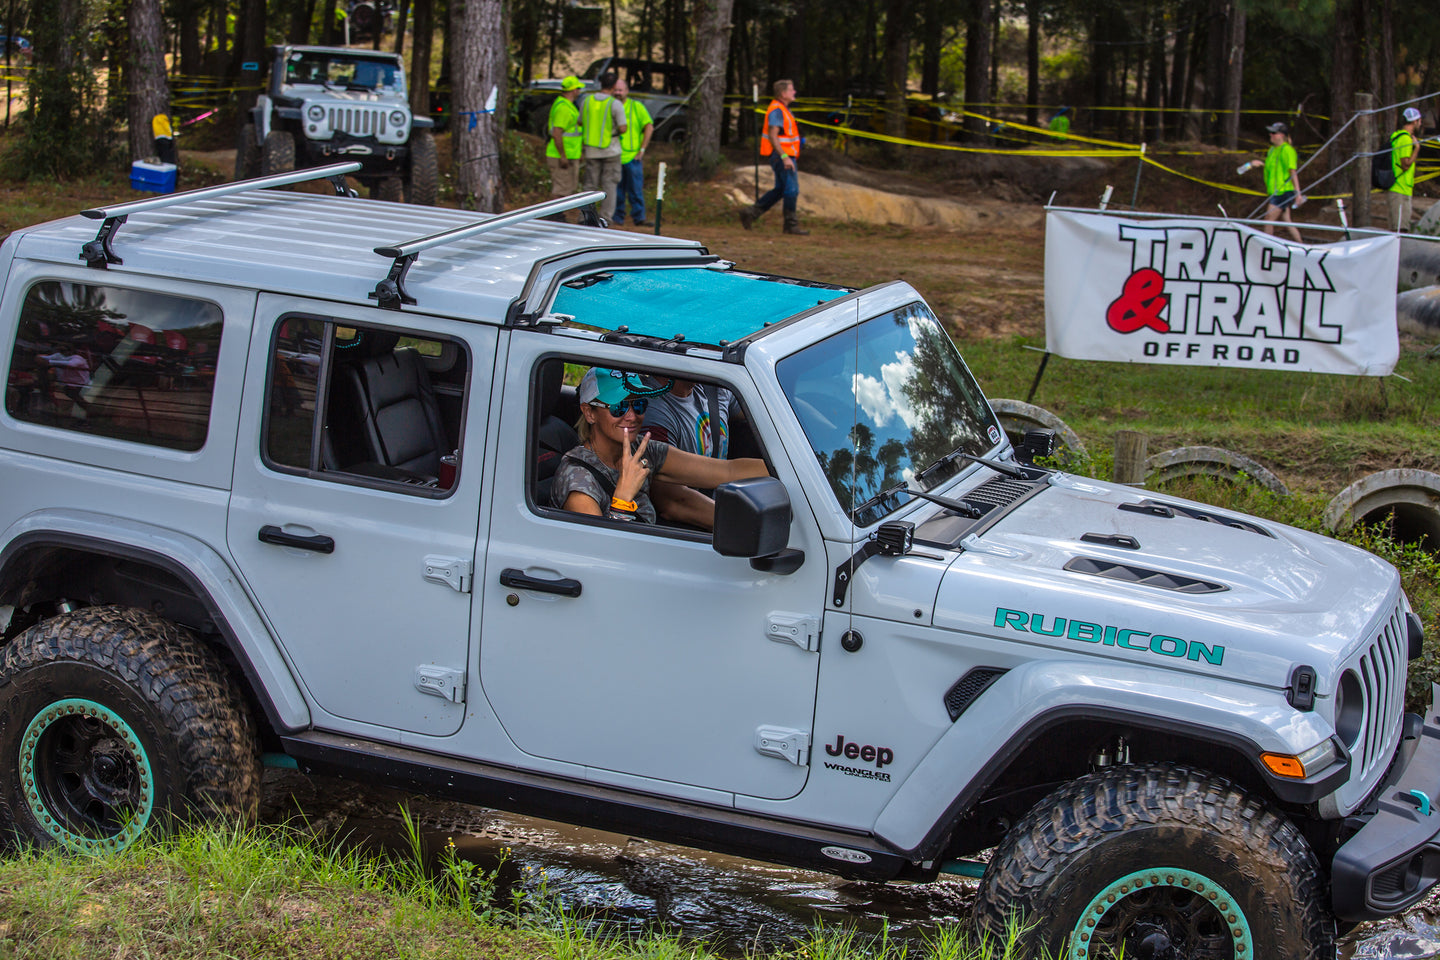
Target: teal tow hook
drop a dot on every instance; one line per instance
(1421, 801)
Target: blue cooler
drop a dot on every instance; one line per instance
(152, 177)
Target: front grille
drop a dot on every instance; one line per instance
(1381, 668)
(359, 121)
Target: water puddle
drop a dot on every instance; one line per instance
(635, 886)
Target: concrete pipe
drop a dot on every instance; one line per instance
(1419, 263)
(1406, 499)
(1417, 312)
(1017, 416)
(1210, 462)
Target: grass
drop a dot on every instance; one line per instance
(281, 892)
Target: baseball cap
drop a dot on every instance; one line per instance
(603, 385)
(571, 83)
(1279, 126)
(1411, 114)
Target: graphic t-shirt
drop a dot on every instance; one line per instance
(684, 422)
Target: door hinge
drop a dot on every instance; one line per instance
(794, 628)
(443, 682)
(785, 743)
(453, 573)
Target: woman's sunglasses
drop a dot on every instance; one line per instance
(617, 410)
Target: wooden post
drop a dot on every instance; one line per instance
(1364, 138)
(1130, 450)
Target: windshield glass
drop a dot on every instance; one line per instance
(882, 403)
(354, 73)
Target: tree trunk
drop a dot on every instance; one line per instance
(187, 23)
(1179, 64)
(1032, 62)
(1155, 81)
(424, 30)
(897, 68)
(479, 53)
(977, 60)
(327, 28)
(402, 21)
(149, 93)
(1234, 74)
(712, 48)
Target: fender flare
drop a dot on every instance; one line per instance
(202, 570)
(1032, 699)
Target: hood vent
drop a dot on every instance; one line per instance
(999, 492)
(969, 687)
(1155, 508)
(1149, 578)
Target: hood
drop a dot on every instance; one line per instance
(1093, 568)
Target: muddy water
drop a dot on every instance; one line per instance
(634, 886)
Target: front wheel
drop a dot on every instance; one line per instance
(113, 722)
(278, 153)
(1157, 862)
(422, 185)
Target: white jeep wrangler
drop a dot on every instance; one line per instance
(276, 483)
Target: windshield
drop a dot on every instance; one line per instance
(352, 73)
(882, 403)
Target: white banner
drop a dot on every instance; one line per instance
(1211, 293)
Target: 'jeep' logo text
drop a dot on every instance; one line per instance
(880, 756)
(1124, 637)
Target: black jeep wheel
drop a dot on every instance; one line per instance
(389, 188)
(422, 186)
(114, 721)
(278, 155)
(247, 154)
(1158, 862)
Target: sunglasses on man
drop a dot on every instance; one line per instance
(617, 410)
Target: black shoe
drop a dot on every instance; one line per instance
(640, 223)
(747, 217)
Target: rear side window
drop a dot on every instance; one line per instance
(112, 362)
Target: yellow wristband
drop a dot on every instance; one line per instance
(628, 506)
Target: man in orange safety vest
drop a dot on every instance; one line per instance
(782, 147)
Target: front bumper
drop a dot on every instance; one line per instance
(1394, 859)
(374, 157)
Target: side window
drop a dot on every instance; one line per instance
(570, 449)
(365, 404)
(112, 362)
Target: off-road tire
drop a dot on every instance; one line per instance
(114, 721)
(278, 155)
(1136, 850)
(247, 154)
(388, 188)
(422, 184)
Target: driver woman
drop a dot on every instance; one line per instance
(610, 473)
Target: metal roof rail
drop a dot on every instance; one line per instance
(97, 253)
(390, 292)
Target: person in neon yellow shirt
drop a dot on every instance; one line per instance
(1282, 182)
(639, 127)
(1403, 149)
(562, 147)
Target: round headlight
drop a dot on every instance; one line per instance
(397, 117)
(316, 112)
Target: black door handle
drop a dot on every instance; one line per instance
(566, 587)
(319, 543)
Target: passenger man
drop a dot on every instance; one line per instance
(782, 146)
(638, 130)
(562, 147)
(602, 120)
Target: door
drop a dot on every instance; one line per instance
(358, 544)
(636, 649)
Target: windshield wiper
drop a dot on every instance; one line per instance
(949, 458)
(959, 506)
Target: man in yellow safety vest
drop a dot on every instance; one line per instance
(602, 120)
(562, 148)
(782, 146)
(639, 127)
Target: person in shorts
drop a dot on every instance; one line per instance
(1282, 182)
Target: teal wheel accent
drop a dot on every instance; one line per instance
(86, 776)
(1162, 912)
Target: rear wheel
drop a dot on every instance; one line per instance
(114, 722)
(247, 154)
(1153, 862)
(423, 183)
(278, 154)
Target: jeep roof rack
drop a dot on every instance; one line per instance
(97, 253)
(390, 292)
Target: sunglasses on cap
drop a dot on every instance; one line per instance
(617, 410)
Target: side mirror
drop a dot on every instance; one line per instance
(752, 518)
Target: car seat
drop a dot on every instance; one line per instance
(555, 435)
(400, 418)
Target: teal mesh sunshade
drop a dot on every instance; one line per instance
(706, 306)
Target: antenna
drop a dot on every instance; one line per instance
(98, 253)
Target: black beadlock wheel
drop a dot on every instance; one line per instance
(114, 721)
(422, 185)
(278, 154)
(1158, 862)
